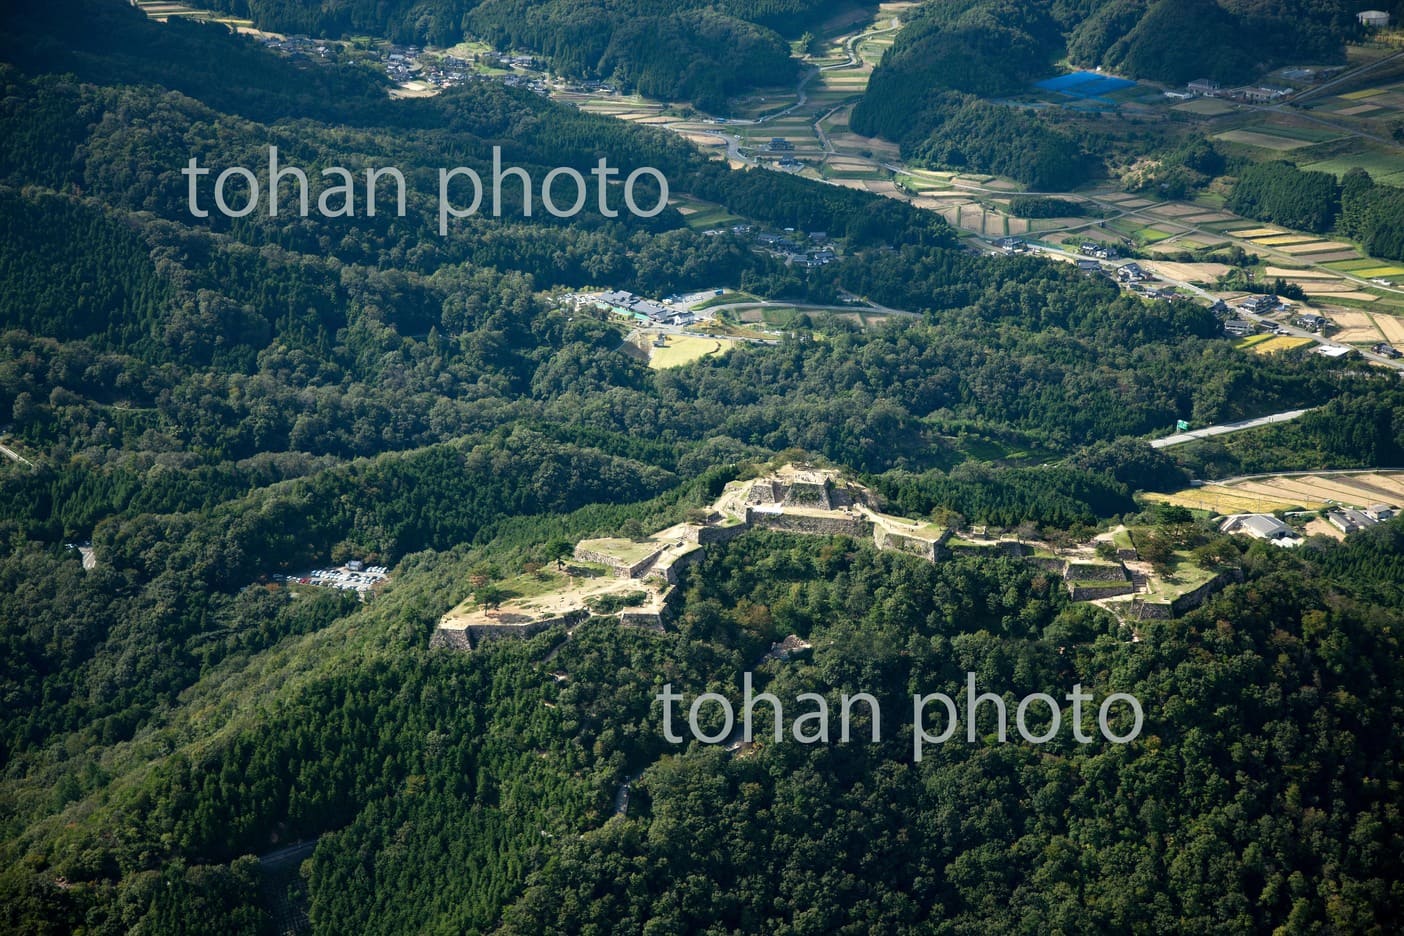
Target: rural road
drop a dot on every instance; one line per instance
(870, 307)
(282, 856)
(850, 45)
(1180, 438)
(14, 456)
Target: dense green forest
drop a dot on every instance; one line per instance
(1356, 207)
(697, 50)
(1352, 431)
(215, 402)
(948, 51)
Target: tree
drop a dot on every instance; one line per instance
(1157, 549)
(491, 596)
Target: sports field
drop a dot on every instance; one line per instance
(684, 349)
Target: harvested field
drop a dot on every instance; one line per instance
(1280, 493)
(1223, 500)
(1188, 272)
(1282, 240)
(1389, 486)
(1314, 247)
(1357, 336)
(702, 139)
(1174, 210)
(1288, 273)
(1333, 256)
(1393, 328)
(1347, 318)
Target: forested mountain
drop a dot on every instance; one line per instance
(215, 402)
(697, 50)
(1314, 201)
(950, 50)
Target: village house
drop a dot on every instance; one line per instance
(1349, 520)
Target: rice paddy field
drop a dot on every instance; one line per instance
(1143, 233)
(1356, 327)
(1304, 248)
(987, 222)
(1285, 492)
(1278, 144)
(1280, 343)
(1205, 107)
(1382, 164)
(163, 10)
(1380, 102)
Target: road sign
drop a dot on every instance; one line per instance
(1181, 425)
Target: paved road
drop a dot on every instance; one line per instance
(1181, 438)
(15, 456)
(850, 45)
(870, 307)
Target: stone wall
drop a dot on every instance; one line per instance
(1049, 564)
(620, 569)
(1150, 611)
(1191, 600)
(708, 535)
(669, 572)
(1165, 610)
(815, 526)
(899, 542)
(449, 639)
(468, 638)
(1095, 572)
(806, 494)
(1083, 591)
(652, 620)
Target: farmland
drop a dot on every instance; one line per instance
(1281, 343)
(1294, 491)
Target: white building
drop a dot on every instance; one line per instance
(1375, 19)
(1263, 527)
